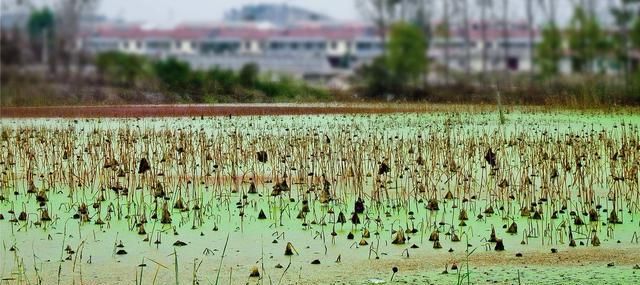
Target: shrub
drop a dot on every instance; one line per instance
(175, 75)
(220, 81)
(248, 75)
(120, 68)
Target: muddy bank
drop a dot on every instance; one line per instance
(198, 110)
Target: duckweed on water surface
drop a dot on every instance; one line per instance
(546, 197)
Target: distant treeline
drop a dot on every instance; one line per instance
(202, 86)
(604, 61)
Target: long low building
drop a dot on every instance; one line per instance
(306, 49)
(318, 49)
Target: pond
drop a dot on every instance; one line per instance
(546, 197)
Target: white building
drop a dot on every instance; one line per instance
(493, 49)
(318, 48)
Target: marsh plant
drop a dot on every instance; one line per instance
(230, 193)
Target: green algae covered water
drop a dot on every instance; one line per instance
(547, 198)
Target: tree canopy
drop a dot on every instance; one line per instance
(406, 58)
(173, 73)
(635, 33)
(40, 20)
(398, 69)
(120, 67)
(248, 75)
(586, 40)
(549, 50)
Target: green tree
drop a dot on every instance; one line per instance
(620, 41)
(248, 75)
(120, 68)
(635, 43)
(40, 27)
(399, 68)
(174, 74)
(549, 50)
(177, 77)
(374, 76)
(586, 40)
(40, 20)
(635, 33)
(219, 81)
(622, 18)
(196, 86)
(406, 54)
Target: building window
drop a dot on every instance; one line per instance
(139, 45)
(308, 45)
(220, 47)
(362, 46)
(512, 63)
(159, 45)
(276, 45)
(334, 45)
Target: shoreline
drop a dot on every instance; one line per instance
(275, 109)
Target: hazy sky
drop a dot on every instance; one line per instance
(171, 12)
(168, 12)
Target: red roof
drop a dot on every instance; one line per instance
(325, 32)
(332, 31)
(493, 30)
(234, 31)
(137, 32)
(244, 32)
